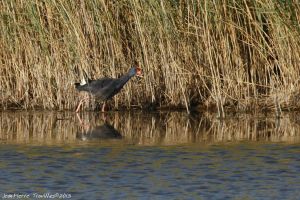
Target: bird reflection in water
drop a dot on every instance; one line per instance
(99, 132)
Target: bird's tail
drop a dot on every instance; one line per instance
(85, 80)
(80, 86)
(77, 85)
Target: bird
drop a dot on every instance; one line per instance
(105, 88)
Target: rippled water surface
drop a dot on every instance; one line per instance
(149, 156)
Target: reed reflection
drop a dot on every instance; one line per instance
(143, 128)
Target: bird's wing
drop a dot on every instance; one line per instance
(95, 86)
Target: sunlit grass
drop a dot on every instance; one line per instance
(219, 54)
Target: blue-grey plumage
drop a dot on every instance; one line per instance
(105, 88)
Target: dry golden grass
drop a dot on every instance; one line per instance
(238, 54)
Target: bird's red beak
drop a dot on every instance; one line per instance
(139, 72)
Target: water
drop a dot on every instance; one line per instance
(149, 156)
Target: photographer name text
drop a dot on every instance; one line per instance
(36, 196)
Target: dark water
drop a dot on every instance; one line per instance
(149, 156)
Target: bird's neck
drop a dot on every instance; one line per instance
(124, 79)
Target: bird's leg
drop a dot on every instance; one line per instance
(80, 103)
(103, 107)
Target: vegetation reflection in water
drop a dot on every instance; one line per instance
(91, 156)
(143, 128)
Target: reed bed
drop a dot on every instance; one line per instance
(242, 55)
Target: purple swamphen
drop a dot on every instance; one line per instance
(105, 88)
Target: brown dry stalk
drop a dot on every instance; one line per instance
(237, 54)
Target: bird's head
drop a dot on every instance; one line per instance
(135, 71)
